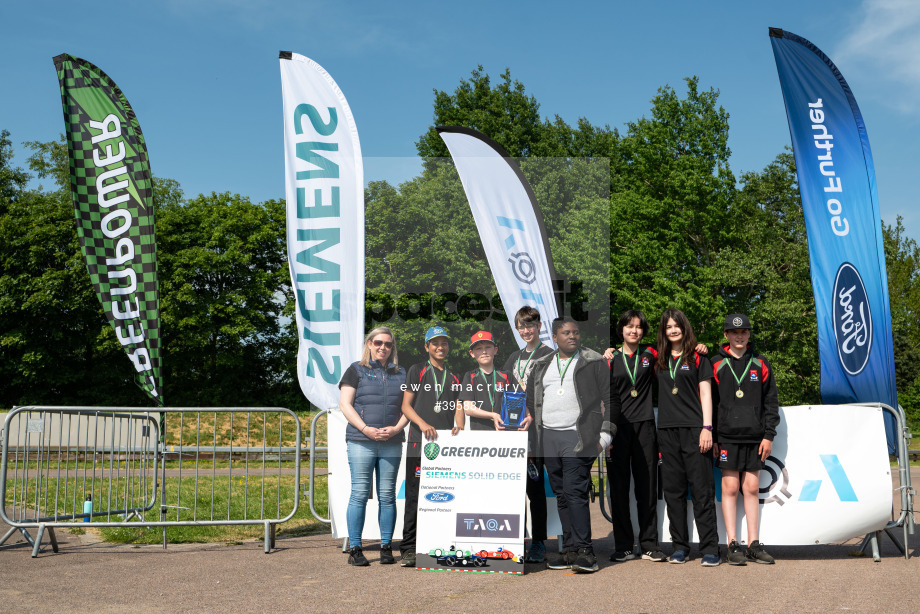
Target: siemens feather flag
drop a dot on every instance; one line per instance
(324, 187)
(509, 222)
(837, 184)
(113, 203)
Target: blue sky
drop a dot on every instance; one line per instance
(203, 75)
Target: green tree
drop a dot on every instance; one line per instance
(767, 276)
(670, 211)
(902, 261)
(223, 281)
(57, 347)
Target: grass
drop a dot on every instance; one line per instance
(234, 497)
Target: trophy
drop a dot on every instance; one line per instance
(513, 409)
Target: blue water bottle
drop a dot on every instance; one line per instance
(88, 507)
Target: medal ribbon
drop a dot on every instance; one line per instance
(673, 369)
(743, 371)
(520, 371)
(489, 390)
(562, 371)
(438, 392)
(632, 376)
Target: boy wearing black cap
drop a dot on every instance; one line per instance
(746, 419)
(430, 403)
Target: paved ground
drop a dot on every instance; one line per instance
(310, 574)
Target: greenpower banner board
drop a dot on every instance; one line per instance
(113, 203)
(471, 502)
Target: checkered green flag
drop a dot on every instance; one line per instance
(113, 202)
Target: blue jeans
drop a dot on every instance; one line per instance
(364, 459)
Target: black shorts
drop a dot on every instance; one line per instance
(739, 457)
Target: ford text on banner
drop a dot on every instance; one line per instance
(324, 188)
(837, 184)
(113, 203)
(509, 222)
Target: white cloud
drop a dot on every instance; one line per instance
(881, 49)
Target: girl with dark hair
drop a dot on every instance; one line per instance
(634, 453)
(685, 437)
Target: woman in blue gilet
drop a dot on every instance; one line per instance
(371, 401)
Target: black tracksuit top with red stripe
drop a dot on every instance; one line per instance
(754, 416)
(474, 387)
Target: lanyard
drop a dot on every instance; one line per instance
(739, 379)
(632, 376)
(562, 371)
(489, 390)
(518, 368)
(438, 392)
(673, 368)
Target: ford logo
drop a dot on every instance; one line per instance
(852, 319)
(439, 497)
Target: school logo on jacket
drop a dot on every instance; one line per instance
(645, 361)
(754, 376)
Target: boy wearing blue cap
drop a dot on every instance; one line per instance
(430, 404)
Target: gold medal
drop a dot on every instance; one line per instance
(560, 392)
(739, 394)
(674, 390)
(437, 407)
(633, 393)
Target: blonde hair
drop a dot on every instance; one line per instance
(366, 354)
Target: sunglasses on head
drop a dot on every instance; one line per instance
(378, 342)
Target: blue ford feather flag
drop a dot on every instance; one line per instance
(837, 184)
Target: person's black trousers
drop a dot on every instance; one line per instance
(634, 454)
(537, 495)
(410, 512)
(683, 466)
(570, 479)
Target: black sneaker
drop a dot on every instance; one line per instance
(357, 558)
(736, 554)
(407, 559)
(756, 554)
(564, 560)
(585, 562)
(622, 555)
(386, 554)
(654, 555)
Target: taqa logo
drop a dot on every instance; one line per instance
(852, 319)
(439, 497)
(488, 525)
(431, 450)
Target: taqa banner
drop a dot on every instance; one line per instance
(471, 502)
(837, 184)
(324, 188)
(510, 225)
(827, 480)
(113, 202)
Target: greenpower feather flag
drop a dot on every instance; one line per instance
(113, 203)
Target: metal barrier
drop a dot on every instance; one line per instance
(229, 466)
(905, 519)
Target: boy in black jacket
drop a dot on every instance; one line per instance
(746, 421)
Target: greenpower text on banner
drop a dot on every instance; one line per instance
(113, 203)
